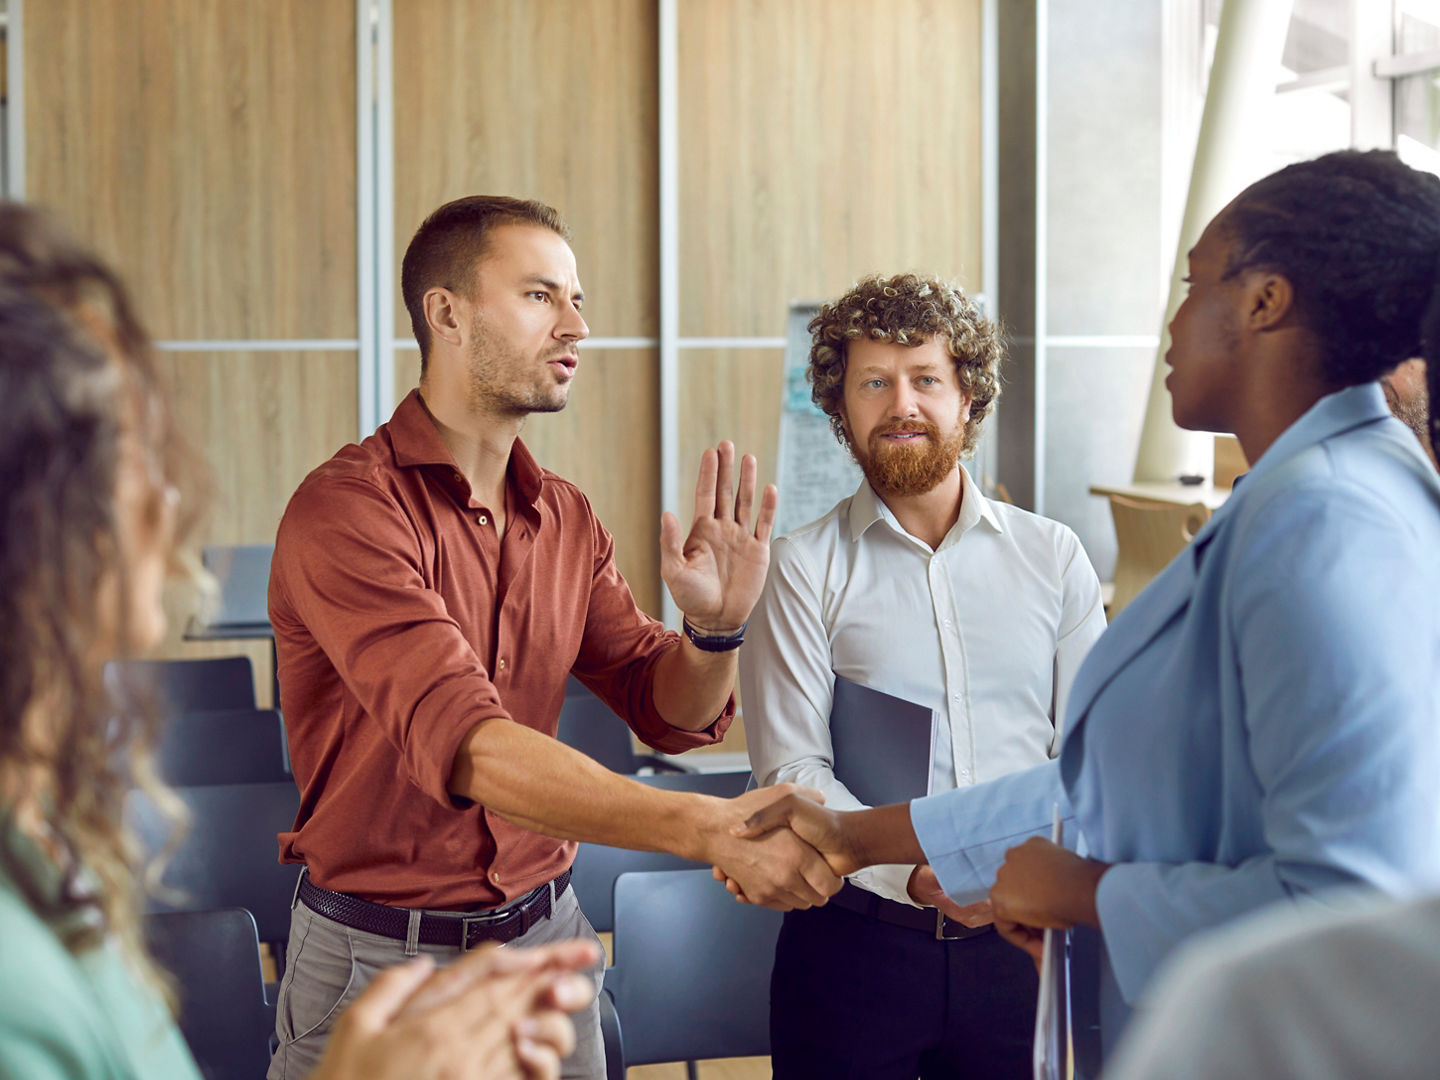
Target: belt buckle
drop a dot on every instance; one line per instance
(485, 918)
(942, 920)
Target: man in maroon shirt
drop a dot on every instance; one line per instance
(431, 590)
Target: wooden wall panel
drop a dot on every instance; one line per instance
(552, 100)
(207, 148)
(729, 394)
(821, 140)
(262, 420)
(607, 441)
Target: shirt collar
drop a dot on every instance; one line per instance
(866, 508)
(417, 442)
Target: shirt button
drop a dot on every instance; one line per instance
(502, 664)
(482, 519)
(949, 623)
(459, 479)
(495, 876)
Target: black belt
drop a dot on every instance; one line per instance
(928, 920)
(458, 931)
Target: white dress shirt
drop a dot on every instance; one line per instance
(988, 630)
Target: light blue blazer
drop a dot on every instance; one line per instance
(1262, 722)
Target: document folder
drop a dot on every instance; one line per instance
(884, 745)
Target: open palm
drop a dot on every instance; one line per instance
(715, 574)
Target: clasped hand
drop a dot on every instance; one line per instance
(497, 1013)
(773, 867)
(799, 812)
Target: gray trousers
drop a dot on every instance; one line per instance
(328, 965)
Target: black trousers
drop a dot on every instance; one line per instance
(852, 997)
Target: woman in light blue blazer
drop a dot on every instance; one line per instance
(1263, 722)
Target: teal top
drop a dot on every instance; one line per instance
(64, 1017)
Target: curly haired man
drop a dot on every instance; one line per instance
(920, 587)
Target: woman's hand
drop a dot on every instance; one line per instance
(1041, 886)
(498, 1014)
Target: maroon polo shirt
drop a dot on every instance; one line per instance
(401, 621)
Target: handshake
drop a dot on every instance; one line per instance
(780, 847)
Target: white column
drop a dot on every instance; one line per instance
(669, 138)
(1372, 113)
(15, 97)
(368, 417)
(1242, 81)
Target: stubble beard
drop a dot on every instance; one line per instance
(496, 383)
(908, 469)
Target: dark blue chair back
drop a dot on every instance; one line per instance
(230, 856)
(215, 958)
(237, 746)
(198, 685)
(243, 571)
(691, 978)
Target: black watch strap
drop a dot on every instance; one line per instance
(709, 642)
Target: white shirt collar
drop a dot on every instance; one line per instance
(866, 508)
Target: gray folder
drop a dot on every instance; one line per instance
(883, 745)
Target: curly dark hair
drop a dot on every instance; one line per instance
(906, 309)
(77, 388)
(1357, 234)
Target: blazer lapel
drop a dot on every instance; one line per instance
(1135, 627)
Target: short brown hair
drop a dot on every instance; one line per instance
(444, 250)
(907, 309)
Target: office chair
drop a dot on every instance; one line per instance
(229, 857)
(598, 865)
(198, 685)
(691, 977)
(215, 958)
(238, 746)
(243, 571)
(1148, 535)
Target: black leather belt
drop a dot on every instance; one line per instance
(458, 931)
(927, 920)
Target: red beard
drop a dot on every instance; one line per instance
(904, 469)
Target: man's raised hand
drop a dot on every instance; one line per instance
(715, 574)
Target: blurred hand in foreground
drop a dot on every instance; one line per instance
(498, 1014)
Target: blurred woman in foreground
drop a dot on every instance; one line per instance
(92, 509)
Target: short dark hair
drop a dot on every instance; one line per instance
(444, 250)
(907, 309)
(1357, 233)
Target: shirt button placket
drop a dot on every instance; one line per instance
(952, 650)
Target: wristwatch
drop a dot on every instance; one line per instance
(713, 642)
